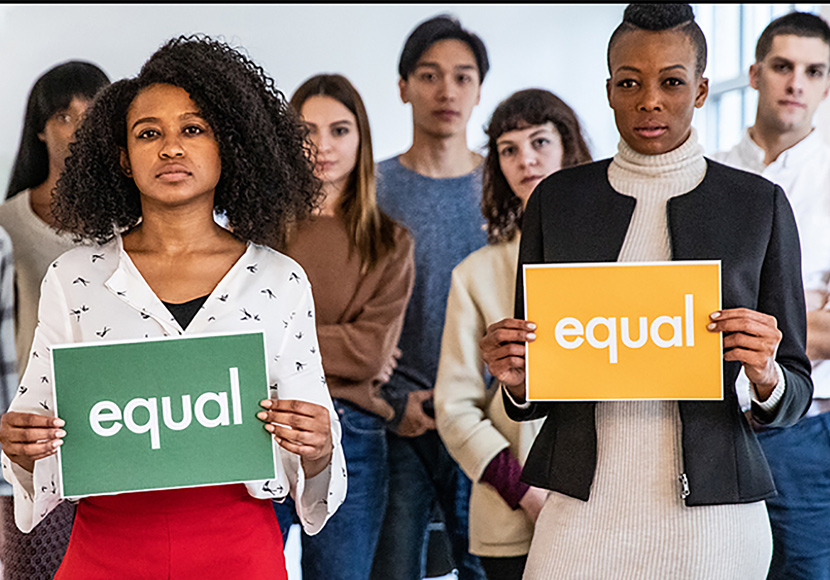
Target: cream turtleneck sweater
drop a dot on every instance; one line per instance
(635, 524)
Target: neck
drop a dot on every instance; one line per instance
(332, 197)
(440, 157)
(175, 231)
(773, 141)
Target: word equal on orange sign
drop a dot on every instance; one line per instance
(621, 331)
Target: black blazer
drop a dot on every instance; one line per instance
(733, 216)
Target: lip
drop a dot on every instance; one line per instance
(323, 166)
(795, 104)
(446, 114)
(651, 130)
(530, 178)
(173, 172)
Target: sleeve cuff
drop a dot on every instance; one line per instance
(525, 405)
(772, 401)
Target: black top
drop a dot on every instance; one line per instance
(733, 216)
(184, 312)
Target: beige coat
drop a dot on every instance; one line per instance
(471, 418)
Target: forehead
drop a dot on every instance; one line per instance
(799, 49)
(322, 109)
(652, 50)
(449, 53)
(160, 98)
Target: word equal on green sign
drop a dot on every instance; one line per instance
(162, 413)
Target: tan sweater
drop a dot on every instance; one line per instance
(359, 316)
(470, 417)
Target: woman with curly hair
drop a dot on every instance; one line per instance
(200, 130)
(361, 266)
(531, 134)
(56, 105)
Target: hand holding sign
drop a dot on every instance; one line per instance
(27, 437)
(752, 338)
(503, 351)
(302, 428)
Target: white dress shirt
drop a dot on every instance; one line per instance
(803, 172)
(96, 293)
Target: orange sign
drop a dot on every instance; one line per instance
(621, 331)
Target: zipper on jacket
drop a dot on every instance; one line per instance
(684, 483)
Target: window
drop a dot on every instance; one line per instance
(731, 32)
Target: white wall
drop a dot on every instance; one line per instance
(558, 47)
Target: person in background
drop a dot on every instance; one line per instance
(361, 269)
(792, 76)
(55, 108)
(154, 158)
(531, 134)
(655, 489)
(434, 190)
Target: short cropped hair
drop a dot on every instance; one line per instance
(801, 24)
(658, 17)
(429, 32)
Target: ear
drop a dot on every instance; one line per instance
(608, 91)
(402, 87)
(754, 71)
(125, 163)
(702, 92)
(42, 136)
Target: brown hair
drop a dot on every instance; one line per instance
(371, 232)
(501, 207)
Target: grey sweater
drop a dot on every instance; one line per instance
(444, 218)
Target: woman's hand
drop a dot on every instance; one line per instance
(27, 437)
(415, 421)
(390, 366)
(752, 338)
(302, 428)
(503, 350)
(532, 502)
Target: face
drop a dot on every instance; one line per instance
(654, 89)
(443, 89)
(333, 130)
(791, 81)
(172, 154)
(59, 131)
(527, 156)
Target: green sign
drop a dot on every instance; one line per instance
(162, 413)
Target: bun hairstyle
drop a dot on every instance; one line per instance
(659, 17)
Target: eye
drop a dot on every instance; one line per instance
(507, 151)
(675, 82)
(815, 73)
(540, 142)
(428, 76)
(340, 131)
(193, 130)
(147, 134)
(781, 67)
(464, 79)
(627, 83)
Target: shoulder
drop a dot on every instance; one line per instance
(732, 181)
(485, 263)
(275, 266)
(86, 256)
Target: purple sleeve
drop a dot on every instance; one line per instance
(503, 473)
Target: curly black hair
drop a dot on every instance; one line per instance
(267, 177)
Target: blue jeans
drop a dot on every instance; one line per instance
(421, 472)
(799, 458)
(344, 548)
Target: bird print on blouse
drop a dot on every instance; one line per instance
(94, 294)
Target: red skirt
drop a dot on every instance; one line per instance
(179, 534)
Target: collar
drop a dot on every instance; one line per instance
(753, 155)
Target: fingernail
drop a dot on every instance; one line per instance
(266, 403)
(531, 336)
(60, 433)
(56, 444)
(715, 315)
(269, 427)
(711, 326)
(531, 326)
(59, 422)
(262, 415)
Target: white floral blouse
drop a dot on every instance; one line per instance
(95, 293)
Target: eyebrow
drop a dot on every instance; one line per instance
(782, 60)
(432, 64)
(664, 69)
(156, 119)
(501, 141)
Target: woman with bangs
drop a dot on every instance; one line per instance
(361, 269)
(532, 134)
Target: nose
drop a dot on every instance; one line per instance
(171, 147)
(322, 142)
(527, 157)
(795, 84)
(650, 99)
(446, 89)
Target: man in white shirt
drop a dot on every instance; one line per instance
(792, 76)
